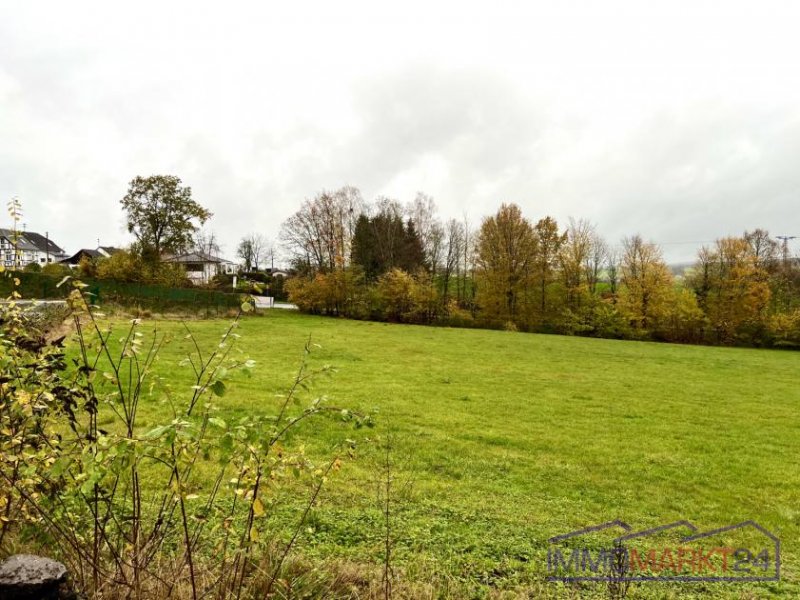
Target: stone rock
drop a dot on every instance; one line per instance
(28, 577)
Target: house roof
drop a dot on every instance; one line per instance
(43, 243)
(22, 242)
(83, 252)
(30, 240)
(100, 252)
(193, 257)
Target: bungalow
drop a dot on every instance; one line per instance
(21, 248)
(202, 268)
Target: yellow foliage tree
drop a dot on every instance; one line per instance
(732, 286)
(506, 249)
(647, 282)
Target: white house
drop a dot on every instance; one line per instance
(200, 268)
(21, 248)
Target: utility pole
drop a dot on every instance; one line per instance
(785, 239)
(47, 246)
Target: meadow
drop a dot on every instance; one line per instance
(498, 441)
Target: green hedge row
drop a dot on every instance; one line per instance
(36, 286)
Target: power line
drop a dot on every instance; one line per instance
(698, 242)
(785, 239)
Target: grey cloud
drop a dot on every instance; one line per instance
(682, 173)
(478, 122)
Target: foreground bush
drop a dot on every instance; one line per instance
(181, 508)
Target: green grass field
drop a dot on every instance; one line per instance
(501, 440)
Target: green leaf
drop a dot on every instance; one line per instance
(60, 466)
(157, 432)
(247, 306)
(258, 507)
(218, 388)
(217, 422)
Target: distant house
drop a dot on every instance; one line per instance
(89, 254)
(201, 268)
(277, 272)
(22, 248)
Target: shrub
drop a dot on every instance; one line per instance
(457, 316)
(222, 281)
(120, 266)
(87, 268)
(398, 293)
(304, 294)
(340, 292)
(785, 328)
(130, 267)
(183, 507)
(510, 326)
(56, 270)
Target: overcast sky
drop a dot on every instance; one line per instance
(681, 123)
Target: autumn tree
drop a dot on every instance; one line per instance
(161, 214)
(574, 258)
(595, 261)
(765, 251)
(422, 212)
(398, 291)
(319, 235)
(547, 243)
(505, 251)
(647, 281)
(731, 282)
(454, 246)
(612, 271)
(465, 280)
(774, 258)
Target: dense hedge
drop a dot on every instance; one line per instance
(158, 297)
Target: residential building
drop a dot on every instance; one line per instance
(21, 248)
(89, 254)
(201, 268)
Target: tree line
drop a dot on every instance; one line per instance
(385, 260)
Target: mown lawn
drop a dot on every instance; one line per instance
(501, 440)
